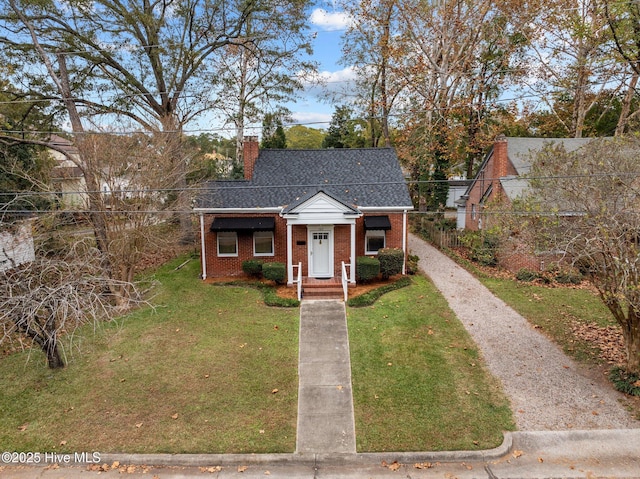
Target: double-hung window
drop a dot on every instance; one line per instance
(263, 243)
(227, 243)
(374, 240)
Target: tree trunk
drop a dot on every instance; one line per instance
(383, 77)
(631, 333)
(626, 104)
(47, 339)
(54, 358)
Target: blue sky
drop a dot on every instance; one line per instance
(315, 108)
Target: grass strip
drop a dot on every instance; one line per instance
(370, 297)
(418, 381)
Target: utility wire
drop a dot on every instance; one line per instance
(235, 185)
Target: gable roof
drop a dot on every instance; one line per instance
(521, 153)
(357, 177)
(521, 150)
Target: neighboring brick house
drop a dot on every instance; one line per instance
(500, 181)
(317, 208)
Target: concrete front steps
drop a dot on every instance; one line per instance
(315, 288)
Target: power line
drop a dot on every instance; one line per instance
(212, 186)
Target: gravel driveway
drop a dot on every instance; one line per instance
(548, 390)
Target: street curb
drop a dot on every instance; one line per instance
(301, 459)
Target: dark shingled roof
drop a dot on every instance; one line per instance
(358, 177)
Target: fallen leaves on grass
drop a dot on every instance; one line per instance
(608, 340)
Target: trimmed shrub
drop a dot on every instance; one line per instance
(569, 277)
(624, 381)
(391, 261)
(412, 264)
(483, 247)
(367, 268)
(526, 275)
(274, 271)
(252, 267)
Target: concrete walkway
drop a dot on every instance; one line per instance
(325, 402)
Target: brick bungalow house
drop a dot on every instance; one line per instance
(500, 180)
(312, 210)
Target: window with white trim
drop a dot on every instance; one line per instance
(263, 243)
(373, 241)
(227, 243)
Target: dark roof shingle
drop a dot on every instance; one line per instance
(359, 177)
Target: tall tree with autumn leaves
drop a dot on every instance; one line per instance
(438, 67)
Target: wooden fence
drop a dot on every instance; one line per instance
(443, 238)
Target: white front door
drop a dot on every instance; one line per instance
(321, 253)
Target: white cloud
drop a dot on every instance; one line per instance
(330, 21)
(330, 86)
(312, 119)
(331, 81)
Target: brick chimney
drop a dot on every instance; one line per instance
(250, 155)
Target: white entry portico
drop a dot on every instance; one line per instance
(321, 213)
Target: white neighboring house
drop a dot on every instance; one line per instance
(66, 176)
(16, 246)
(69, 181)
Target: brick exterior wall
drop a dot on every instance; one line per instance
(232, 266)
(218, 266)
(495, 167)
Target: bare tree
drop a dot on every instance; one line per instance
(588, 204)
(369, 45)
(456, 58)
(624, 22)
(572, 58)
(146, 63)
(47, 298)
(257, 75)
(137, 176)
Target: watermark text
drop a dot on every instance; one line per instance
(34, 458)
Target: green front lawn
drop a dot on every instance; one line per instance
(418, 382)
(212, 369)
(198, 374)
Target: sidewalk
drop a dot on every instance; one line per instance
(325, 402)
(527, 455)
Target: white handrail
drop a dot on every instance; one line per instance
(345, 280)
(299, 280)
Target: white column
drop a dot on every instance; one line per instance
(289, 255)
(352, 260)
(404, 241)
(203, 247)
